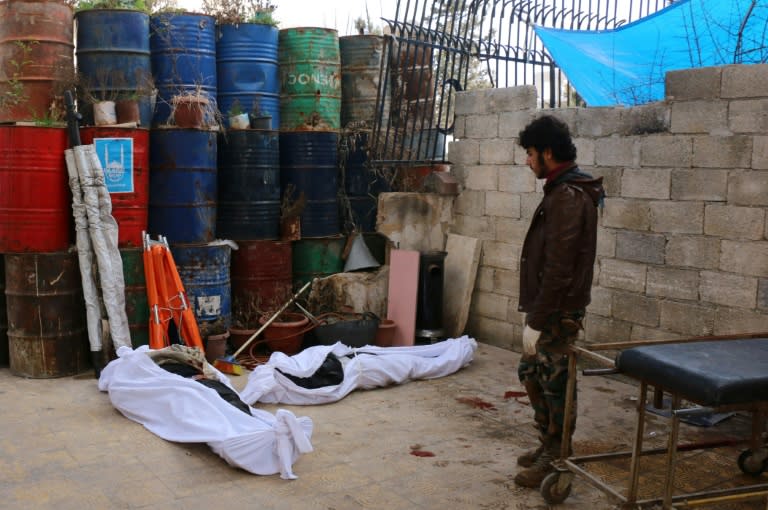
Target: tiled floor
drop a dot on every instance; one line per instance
(63, 446)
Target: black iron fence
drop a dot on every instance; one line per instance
(438, 47)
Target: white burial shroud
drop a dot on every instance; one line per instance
(367, 367)
(183, 410)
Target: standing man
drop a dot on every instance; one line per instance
(556, 267)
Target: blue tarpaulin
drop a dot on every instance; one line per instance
(626, 66)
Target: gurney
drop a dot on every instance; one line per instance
(715, 374)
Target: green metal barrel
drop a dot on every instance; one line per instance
(310, 79)
(317, 258)
(136, 307)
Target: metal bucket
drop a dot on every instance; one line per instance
(3, 318)
(182, 185)
(124, 156)
(310, 79)
(113, 58)
(249, 185)
(204, 271)
(261, 276)
(136, 305)
(247, 70)
(35, 201)
(46, 315)
(36, 52)
(183, 55)
(308, 162)
(317, 258)
(362, 57)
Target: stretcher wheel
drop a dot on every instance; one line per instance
(550, 491)
(752, 464)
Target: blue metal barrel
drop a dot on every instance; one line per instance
(183, 54)
(182, 185)
(113, 58)
(204, 271)
(249, 185)
(308, 162)
(247, 70)
(362, 184)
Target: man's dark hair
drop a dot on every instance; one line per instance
(549, 131)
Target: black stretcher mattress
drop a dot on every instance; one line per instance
(712, 373)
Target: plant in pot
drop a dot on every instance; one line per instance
(245, 320)
(238, 119)
(260, 119)
(194, 109)
(241, 11)
(214, 335)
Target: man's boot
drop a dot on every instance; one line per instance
(541, 467)
(528, 458)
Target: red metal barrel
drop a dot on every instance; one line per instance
(36, 55)
(46, 314)
(35, 201)
(261, 276)
(3, 318)
(126, 174)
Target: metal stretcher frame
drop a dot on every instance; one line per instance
(556, 487)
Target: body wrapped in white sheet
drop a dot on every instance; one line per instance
(183, 410)
(369, 367)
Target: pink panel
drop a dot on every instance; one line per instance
(403, 290)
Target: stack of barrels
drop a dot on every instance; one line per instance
(42, 315)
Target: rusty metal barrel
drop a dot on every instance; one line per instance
(46, 315)
(362, 59)
(3, 318)
(36, 54)
(310, 79)
(261, 276)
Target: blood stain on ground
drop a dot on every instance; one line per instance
(477, 402)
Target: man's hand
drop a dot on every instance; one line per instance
(530, 338)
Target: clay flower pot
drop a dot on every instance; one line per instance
(286, 333)
(237, 337)
(216, 346)
(189, 111)
(127, 110)
(386, 333)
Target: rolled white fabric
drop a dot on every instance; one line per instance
(530, 339)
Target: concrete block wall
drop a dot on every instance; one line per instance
(683, 240)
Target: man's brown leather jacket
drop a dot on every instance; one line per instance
(558, 256)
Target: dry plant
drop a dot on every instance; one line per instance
(241, 11)
(290, 207)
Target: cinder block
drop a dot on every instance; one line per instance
(642, 333)
(606, 242)
(611, 178)
(705, 116)
(514, 315)
(636, 308)
(666, 151)
(470, 203)
(745, 81)
(528, 204)
(599, 329)
(668, 282)
(695, 83)
(585, 151)
(733, 222)
(497, 152)
(459, 121)
(489, 304)
(516, 179)
(762, 293)
(511, 230)
(482, 126)
(646, 119)
(722, 151)
(495, 100)
(482, 177)
(748, 188)
(640, 247)
(677, 217)
(748, 116)
(494, 332)
(507, 283)
(624, 213)
(730, 321)
(617, 151)
(693, 251)
(760, 153)
(499, 203)
(500, 255)
(646, 183)
(619, 274)
(747, 258)
(601, 301)
(484, 279)
(464, 151)
(599, 121)
(710, 185)
(511, 123)
(473, 226)
(728, 289)
(687, 318)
